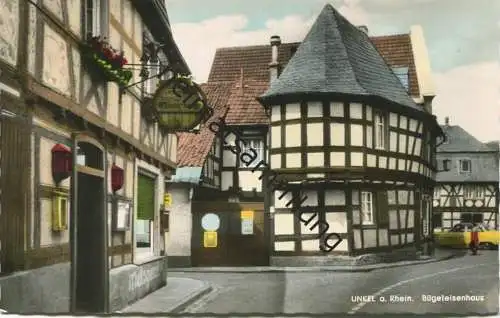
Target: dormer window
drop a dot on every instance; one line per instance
(402, 74)
(380, 131)
(464, 166)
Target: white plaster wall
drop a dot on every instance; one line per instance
(401, 164)
(403, 122)
(410, 238)
(392, 163)
(315, 159)
(281, 203)
(283, 223)
(382, 162)
(293, 160)
(334, 197)
(310, 245)
(337, 159)
(250, 180)
(393, 219)
(45, 163)
(356, 110)
(315, 134)
(227, 180)
(292, 111)
(394, 239)
(314, 109)
(393, 141)
(356, 159)
(371, 160)
(418, 146)
(276, 137)
(293, 135)
(336, 109)
(312, 198)
(393, 120)
(337, 222)
(413, 125)
(228, 158)
(275, 113)
(383, 238)
(402, 143)
(369, 115)
(369, 136)
(356, 216)
(284, 246)
(179, 236)
(306, 229)
(357, 238)
(337, 134)
(422, 64)
(356, 135)
(275, 161)
(370, 238)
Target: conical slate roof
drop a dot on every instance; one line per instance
(337, 57)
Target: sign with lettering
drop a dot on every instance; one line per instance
(247, 226)
(210, 239)
(180, 104)
(247, 215)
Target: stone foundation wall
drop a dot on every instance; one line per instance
(46, 289)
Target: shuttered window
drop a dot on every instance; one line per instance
(145, 198)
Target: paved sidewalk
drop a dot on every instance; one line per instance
(174, 297)
(440, 255)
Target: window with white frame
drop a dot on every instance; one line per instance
(379, 131)
(93, 17)
(367, 216)
(473, 192)
(257, 144)
(464, 166)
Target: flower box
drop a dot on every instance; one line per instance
(105, 63)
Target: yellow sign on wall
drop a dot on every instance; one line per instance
(247, 215)
(210, 239)
(167, 200)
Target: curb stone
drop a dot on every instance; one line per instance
(207, 288)
(346, 269)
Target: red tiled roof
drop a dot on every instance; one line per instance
(254, 60)
(193, 148)
(244, 109)
(229, 101)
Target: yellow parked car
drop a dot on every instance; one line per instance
(460, 235)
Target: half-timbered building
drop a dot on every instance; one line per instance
(76, 136)
(347, 122)
(468, 192)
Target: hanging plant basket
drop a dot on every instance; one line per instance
(104, 63)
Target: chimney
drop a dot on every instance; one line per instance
(274, 65)
(447, 121)
(363, 28)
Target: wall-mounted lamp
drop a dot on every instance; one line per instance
(117, 177)
(61, 163)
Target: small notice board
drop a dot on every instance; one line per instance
(210, 239)
(247, 222)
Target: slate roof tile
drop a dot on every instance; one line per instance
(337, 57)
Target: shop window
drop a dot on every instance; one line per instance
(144, 228)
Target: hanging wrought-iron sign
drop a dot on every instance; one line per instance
(180, 104)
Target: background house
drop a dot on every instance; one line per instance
(248, 71)
(56, 98)
(468, 192)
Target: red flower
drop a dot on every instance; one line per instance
(107, 52)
